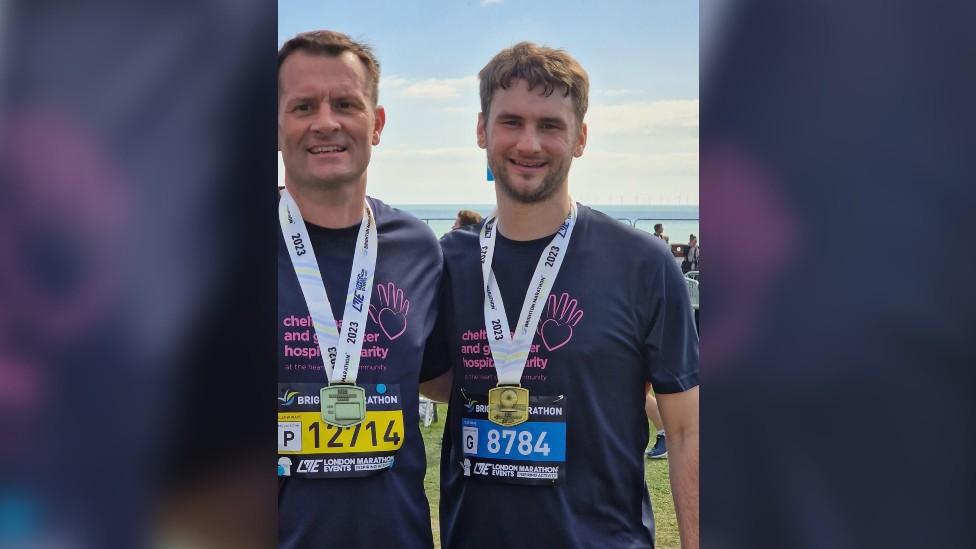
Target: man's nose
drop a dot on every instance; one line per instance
(325, 120)
(529, 141)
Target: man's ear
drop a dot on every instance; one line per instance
(482, 131)
(379, 121)
(279, 135)
(580, 142)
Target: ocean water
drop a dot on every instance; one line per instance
(678, 221)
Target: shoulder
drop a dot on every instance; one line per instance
(402, 228)
(603, 233)
(461, 241)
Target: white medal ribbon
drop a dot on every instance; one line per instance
(510, 352)
(345, 350)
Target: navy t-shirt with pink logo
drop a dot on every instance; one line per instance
(618, 317)
(354, 498)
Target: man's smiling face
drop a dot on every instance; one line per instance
(531, 140)
(327, 121)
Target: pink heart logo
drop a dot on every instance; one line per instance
(555, 335)
(393, 324)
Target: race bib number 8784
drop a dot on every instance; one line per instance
(532, 441)
(532, 453)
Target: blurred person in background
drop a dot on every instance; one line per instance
(690, 262)
(659, 232)
(349, 360)
(466, 217)
(660, 448)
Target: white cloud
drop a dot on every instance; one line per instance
(411, 153)
(602, 177)
(429, 88)
(487, 2)
(390, 83)
(643, 117)
(417, 175)
(616, 92)
(663, 160)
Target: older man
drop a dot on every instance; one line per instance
(357, 282)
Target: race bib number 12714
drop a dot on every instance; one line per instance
(309, 447)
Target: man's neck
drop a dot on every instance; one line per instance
(520, 221)
(335, 208)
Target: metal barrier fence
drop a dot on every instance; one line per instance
(645, 224)
(428, 412)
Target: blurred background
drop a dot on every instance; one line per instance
(838, 371)
(136, 308)
(136, 298)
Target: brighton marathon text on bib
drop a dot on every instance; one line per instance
(532, 452)
(310, 448)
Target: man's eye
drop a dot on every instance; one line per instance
(302, 107)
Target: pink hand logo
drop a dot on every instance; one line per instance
(391, 315)
(558, 321)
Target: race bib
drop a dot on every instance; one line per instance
(311, 448)
(532, 453)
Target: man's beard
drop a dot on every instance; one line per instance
(551, 183)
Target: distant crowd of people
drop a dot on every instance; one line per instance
(691, 262)
(691, 253)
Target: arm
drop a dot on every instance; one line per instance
(679, 411)
(439, 388)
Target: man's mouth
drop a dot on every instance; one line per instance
(528, 163)
(326, 149)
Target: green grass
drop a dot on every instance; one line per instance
(655, 471)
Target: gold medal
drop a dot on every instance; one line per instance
(508, 405)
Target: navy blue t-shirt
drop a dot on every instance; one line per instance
(617, 318)
(358, 507)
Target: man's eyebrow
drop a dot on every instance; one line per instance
(553, 120)
(299, 99)
(509, 116)
(544, 120)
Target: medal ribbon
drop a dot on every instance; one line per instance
(345, 350)
(510, 352)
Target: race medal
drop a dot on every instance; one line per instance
(343, 404)
(508, 405)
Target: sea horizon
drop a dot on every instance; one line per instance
(679, 220)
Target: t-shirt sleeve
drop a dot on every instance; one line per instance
(671, 344)
(437, 358)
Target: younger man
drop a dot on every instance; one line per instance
(554, 319)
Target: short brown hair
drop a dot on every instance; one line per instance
(538, 66)
(334, 44)
(468, 217)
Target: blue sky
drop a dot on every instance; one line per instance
(641, 56)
